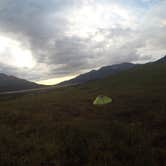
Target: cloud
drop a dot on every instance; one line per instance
(67, 37)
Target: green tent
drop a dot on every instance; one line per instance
(102, 100)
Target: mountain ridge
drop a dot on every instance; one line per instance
(146, 76)
(12, 83)
(161, 60)
(105, 71)
(99, 74)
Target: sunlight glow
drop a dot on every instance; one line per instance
(55, 81)
(13, 54)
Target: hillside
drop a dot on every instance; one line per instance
(11, 83)
(99, 74)
(107, 71)
(63, 127)
(150, 75)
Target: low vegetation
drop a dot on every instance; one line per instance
(64, 128)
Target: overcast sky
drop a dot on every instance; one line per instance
(55, 39)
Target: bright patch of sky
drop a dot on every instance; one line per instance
(54, 39)
(12, 53)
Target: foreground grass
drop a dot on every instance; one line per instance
(62, 127)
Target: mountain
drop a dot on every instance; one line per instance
(99, 74)
(106, 72)
(145, 76)
(11, 83)
(162, 60)
(130, 131)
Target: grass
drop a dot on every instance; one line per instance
(63, 128)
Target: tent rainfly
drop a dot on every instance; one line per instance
(102, 100)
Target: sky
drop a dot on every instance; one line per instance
(48, 41)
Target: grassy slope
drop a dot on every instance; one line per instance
(62, 127)
(150, 75)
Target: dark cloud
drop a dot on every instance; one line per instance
(45, 28)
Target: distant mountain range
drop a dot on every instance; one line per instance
(11, 83)
(150, 76)
(104, 72)
(99, 74)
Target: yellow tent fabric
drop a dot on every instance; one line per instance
(102, 100)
